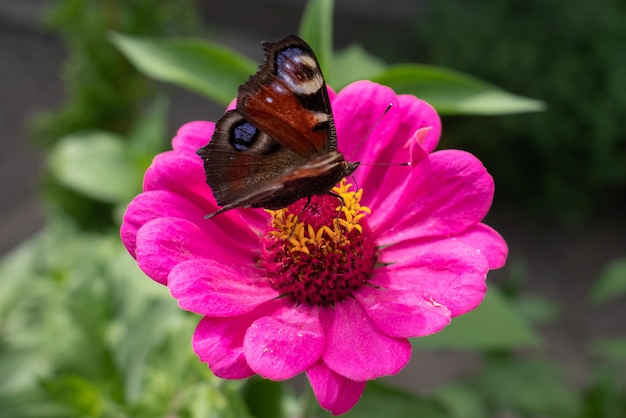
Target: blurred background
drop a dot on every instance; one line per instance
(560, 174)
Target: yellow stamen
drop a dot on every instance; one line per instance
(287, 227)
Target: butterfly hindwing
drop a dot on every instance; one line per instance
(240, 159)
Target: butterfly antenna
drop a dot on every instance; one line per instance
(371, 129)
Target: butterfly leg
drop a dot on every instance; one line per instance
(306, 205)
(340, 211)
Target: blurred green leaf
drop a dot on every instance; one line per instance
(33, 404)
(537, 309)
(604, 396)
(104, 339)
(142, 333)
(381, 400)
(264, 398)
(316, 28)
(495, 324)
(462, 400)
(205, 68)
(611, 283)
(98, 165)
(15, 267)
(351, 64)
(208, 400)
(147, 136)
(534, 387)
(612, 349)
(452, 92)
(78, 393)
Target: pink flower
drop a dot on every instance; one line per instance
(336, 294)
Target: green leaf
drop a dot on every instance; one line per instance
(611, 283)
(98, 165)
(143, 333)
(495, 324)
(536, 309)
(604, 395)
(78, 393)
(205, 68)
(33, 404)
(316, 28)
(381, 400)
(462, 401)
(353, 63)
(264, 397)
(16, 267)
(452, 92)
(147, 137)
(611, 348)
(533, 387)
(210, 401)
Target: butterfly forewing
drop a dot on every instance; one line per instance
(287, 99)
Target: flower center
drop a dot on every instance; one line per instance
(321, 252)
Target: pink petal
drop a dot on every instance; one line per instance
(210, 287)
(331, 93)
(417, 115)
(488, 241)
(151, 205)
(192, 136)
(184, 175)
(334, 392)
(285, 344)
(403, 314)
(393, 177)
(164, 242)
(253, 220)
(219, 343)
(357, 349)
(155, 204)
(446, 271)
(446, 193)
(356, 110)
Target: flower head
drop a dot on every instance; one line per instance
(333, 288)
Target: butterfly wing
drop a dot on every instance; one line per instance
(287, 99)
(280, 144)
(240, 159)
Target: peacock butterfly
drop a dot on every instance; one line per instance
(279, 145)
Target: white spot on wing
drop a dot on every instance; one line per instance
(278, 88)
(288, 73)
(321, 117)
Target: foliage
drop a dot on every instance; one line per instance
(612, 282)
(104, 93)
(83, 333)
(101, 171)
(569, 161)
(216, 73)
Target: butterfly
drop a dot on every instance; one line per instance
(280, 144)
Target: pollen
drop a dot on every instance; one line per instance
(319, 252)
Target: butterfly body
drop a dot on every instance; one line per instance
(279, 145)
